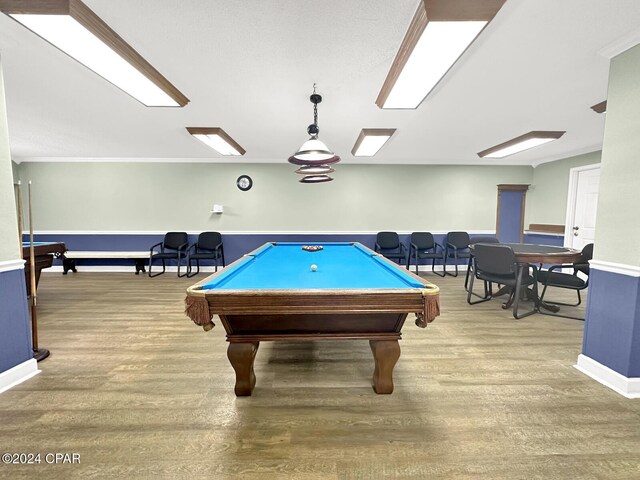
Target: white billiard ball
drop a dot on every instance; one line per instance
(314, 268)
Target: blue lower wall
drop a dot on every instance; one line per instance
(15, 327)
(540, 239)
(612, 326)
(236, 244)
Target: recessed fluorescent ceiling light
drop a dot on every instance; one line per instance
(73, 28)
(439, 47)
(520, 144)
(370, 141)
(439, 34)
(217, 139)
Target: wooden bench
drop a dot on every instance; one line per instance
(69, 258)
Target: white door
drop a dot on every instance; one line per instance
(583, 227)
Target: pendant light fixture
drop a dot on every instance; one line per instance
(314, 153)
(315, 170)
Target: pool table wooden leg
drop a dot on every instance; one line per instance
(385, 353)
(241, 355)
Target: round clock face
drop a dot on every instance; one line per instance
(244, 182)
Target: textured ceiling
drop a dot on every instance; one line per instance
(249, 68)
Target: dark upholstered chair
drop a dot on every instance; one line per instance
(475, 240)
(173, 247)
(423, 246)
(495, 263)
(552, 278)
(456, 247)
(208, 247)
(481, 239)
(388, 244)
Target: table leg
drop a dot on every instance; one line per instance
(385, 355)
(502, 291)
(547, 306)
(241, 355)
(68, 264)
(140, 266)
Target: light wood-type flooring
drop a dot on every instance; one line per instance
(140, 392)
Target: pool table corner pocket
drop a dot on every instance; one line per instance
(197, 309)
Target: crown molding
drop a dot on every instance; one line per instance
(624, 43)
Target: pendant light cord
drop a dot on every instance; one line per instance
(315, 109)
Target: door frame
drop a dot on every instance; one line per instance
(572, 199)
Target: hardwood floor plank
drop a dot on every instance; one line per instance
(140, 392)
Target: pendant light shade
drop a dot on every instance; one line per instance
(328, 161)
(315, 170)
(314, 150)
(314, 153)
(316, 179)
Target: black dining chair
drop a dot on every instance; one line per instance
(423, 246)
(456, 247)
(173, 247)
(388, 244)
(495, 263)
(208, 247)
(474, 240)
(571, 281)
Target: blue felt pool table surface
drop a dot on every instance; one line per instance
(288, 266)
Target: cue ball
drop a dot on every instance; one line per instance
(314, 268)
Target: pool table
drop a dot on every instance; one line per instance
(44, 252)
(274, 294)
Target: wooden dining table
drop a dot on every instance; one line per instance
(530, 253)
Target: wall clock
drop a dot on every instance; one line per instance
(244, 182)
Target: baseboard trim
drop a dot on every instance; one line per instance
(18, 374)
(627, 387)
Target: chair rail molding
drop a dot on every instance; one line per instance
(9, 265)
(620, 268)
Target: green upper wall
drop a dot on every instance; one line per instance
(168, 196)
(547, 196)
(165, 196)
(618, 220)
(9, 248)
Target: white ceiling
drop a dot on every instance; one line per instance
(249, 67)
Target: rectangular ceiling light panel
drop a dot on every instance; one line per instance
(520, 144)
(439, 47)
(217, 139)
(79, 33)
(371, 140)
(439, 34)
